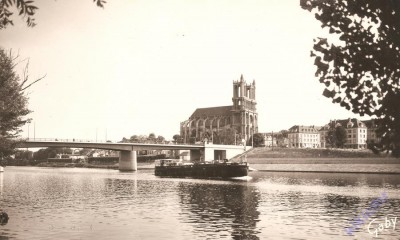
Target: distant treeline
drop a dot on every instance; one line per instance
(90, 160)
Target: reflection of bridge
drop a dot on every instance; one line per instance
(128, 151)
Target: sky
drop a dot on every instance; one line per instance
(140, 67)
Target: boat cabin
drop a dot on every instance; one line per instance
(170, 162)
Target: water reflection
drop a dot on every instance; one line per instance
(347, 209)
(360, 185)
(218, 210)
(100, 204)
(121, 187)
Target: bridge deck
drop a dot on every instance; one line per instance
(30, 143)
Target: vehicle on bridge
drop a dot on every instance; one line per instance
(214, 169)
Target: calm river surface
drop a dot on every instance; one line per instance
(68, 203)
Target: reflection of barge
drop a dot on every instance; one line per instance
(215, 169)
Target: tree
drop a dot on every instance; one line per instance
(26, 9)
(23, 154)
(337, 136)
(13, 104)
(258, 140)
(341, 136)
(151, 138)
(177, 138)
(134, 138)
(142, 138)
(361, 70)
(284, 133)
(331, 137)
(160, 139)
(85, 151)
(50, 152)
(281, 138)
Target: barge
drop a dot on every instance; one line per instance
(214, 169)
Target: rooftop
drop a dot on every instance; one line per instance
(304, 129)
(212, 111)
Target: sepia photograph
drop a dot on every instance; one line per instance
(199, 119)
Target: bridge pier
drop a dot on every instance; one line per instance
(127, 161)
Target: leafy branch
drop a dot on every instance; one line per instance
(26, 9)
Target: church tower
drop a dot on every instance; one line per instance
(244, 112)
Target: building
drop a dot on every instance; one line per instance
(276, 139)
(269, 140)
(282, 141)
(205, 124)
(103, 153)
(304, 137)
(356, 132)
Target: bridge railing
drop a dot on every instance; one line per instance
(65, 140)
(95, 141)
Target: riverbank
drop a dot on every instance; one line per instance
(321, 160)
(141, 165)
(112, 162)
(345, 167)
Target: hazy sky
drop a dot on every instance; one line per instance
(137, 67)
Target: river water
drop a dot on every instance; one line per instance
(68, 203)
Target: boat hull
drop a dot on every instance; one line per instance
(203, 171)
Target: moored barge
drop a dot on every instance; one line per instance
(215, 169)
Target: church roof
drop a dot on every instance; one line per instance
(212, 111)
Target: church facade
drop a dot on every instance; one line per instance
(240, 117)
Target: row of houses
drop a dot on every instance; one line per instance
(359, 133)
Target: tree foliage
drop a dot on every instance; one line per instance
(151, 138)
(23, 154)
(134, 138)
(160, 139)
(330, 137)
(85, 151)
(26, 9)
(361, 70)
(50, 152)
(337, 136)
(13, 104)
(283, 133)
(258, 140)
(177, 138)
(341, 136)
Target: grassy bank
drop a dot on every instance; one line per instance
(312, 153)
(322, 161)
(329, 168)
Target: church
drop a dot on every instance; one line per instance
(206, 124)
